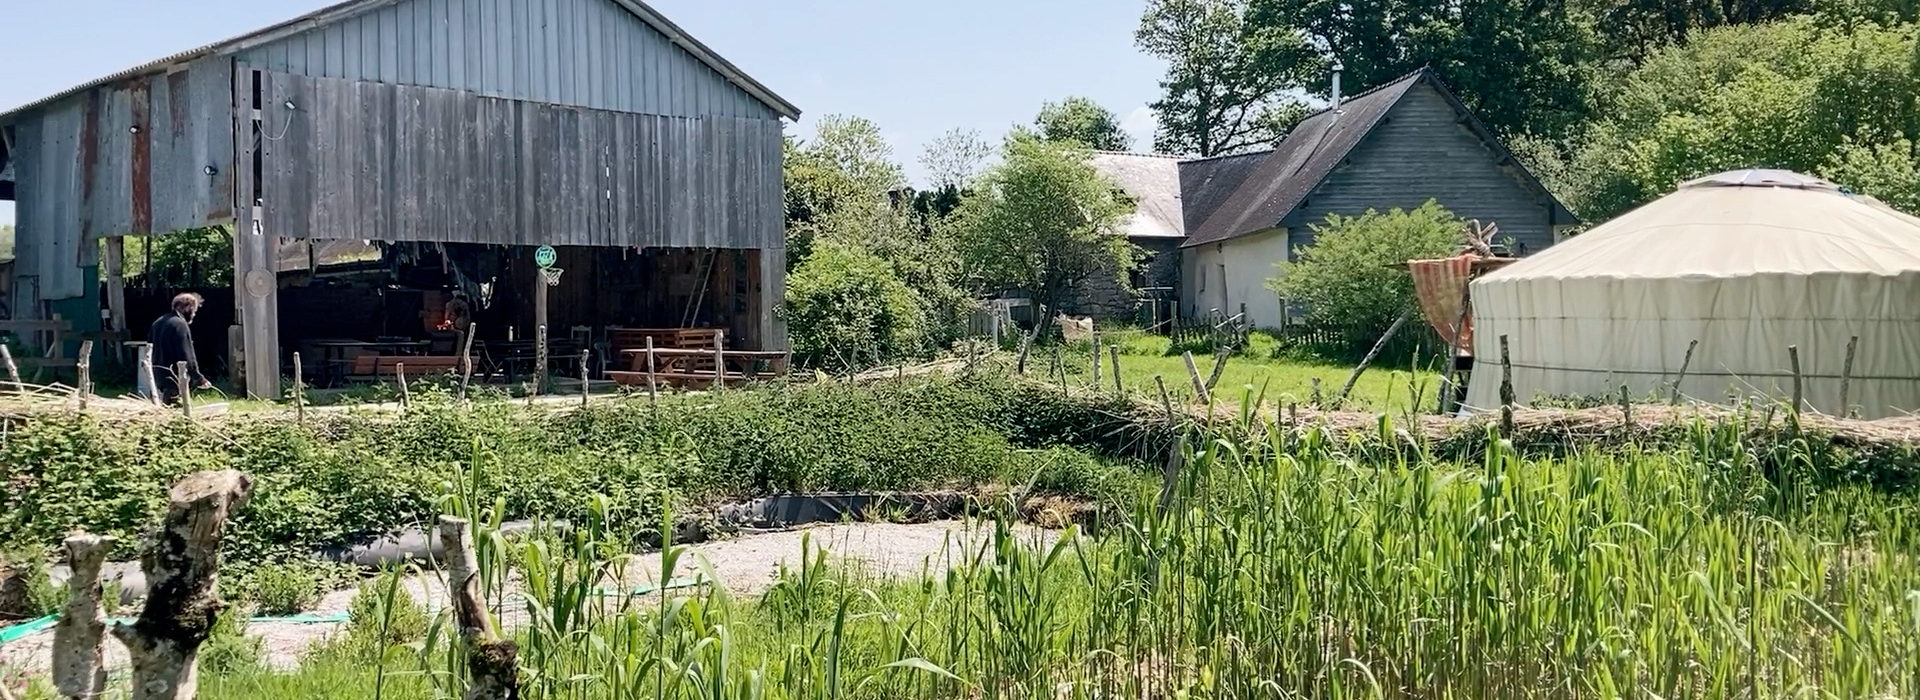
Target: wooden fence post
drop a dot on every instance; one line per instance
(1096, 360)
(1684, 364)
(586, 380)
(1846, 380)
(1114, 352)
(164, 642)
(400, 373)
(13, 370)
(299, 391)
(84, 373)
(466, 358)
(1221, 353)
(185, 384)
(491, 661)
(1793, 358)
(540, 359)
(79, 668)
(653, 385)
(1372, 354)
(1506, 390)
(146, 372)
(719, 359)
(1193, 373)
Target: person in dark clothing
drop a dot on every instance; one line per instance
(172, 340)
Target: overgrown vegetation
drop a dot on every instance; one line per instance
(1288, 564)
(348, 475)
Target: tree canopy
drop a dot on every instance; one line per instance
(1043, 222)
(1799, 94)
(1082, 121)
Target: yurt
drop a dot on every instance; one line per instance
(1704, 290)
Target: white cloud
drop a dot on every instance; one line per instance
(1140, 124)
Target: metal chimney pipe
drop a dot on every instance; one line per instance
(1337, 68)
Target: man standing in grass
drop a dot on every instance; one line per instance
(172, 340)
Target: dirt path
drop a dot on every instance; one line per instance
(747, 566)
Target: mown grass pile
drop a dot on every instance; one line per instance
(1287, 567)
(347, 475)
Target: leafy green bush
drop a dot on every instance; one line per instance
(346, 477)
(1351, 276)
(286, 588)
(847, 309)
(383, 615)
(229, 650)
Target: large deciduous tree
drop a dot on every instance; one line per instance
(1043, 222)
(1082, 121)
(1521, 66)
(1798, 94)
(1231, 84)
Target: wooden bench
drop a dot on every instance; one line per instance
(380, 367)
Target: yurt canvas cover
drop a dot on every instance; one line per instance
(1747, 263)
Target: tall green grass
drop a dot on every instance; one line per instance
(1289, 566)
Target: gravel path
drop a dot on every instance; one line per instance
(747, 566)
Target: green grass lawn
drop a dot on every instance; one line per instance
(1253, 373)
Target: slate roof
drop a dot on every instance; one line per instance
(1205, 184)
(1153, 181)
(1289, 172)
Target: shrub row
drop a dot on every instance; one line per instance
(350, 475)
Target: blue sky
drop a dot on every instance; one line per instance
(917, 68)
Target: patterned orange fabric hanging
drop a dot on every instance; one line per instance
(1441, 288)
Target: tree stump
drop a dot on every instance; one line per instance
(181, 566)
(492, 667)
(79, 670)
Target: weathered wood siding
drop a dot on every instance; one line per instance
(1424, 152)
(127, 158)
(583, 53)
(356, 160)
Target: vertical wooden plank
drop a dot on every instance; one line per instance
(114, 269)
(255, 251)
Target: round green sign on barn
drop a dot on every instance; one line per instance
(545, 257)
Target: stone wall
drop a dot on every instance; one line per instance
(1103, 297)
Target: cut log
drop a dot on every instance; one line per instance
(492, 667)
(181, 566)
(79, 670)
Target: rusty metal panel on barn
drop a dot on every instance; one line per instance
(583, 53)
(189, 131)
(357, 160)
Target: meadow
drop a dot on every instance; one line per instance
(1285, 567)
(1277, 374)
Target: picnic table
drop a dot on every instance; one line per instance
(696, 366)
(335, 362)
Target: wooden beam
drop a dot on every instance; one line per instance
(116, 264)
(256, 252)
(770, 291)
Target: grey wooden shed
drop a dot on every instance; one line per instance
(570, 123)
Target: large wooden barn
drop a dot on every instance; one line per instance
(456, 136)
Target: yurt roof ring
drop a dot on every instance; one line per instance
(1763, 177)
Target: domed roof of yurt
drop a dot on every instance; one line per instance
(1717, 280)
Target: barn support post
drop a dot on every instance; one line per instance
(769, 292)
(256, 251)
(115, 265)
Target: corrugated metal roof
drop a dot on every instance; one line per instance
(334, 13)
(1153, 181)
(1299, 163)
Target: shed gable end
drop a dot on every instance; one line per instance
(1424, 150)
